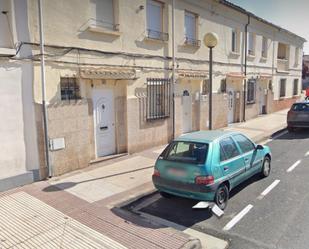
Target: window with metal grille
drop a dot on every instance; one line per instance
(158, 98)
(282, 87)
(69, 88)
(295, 87)
(251, 85)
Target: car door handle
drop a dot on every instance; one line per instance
(226, 168)
(246, 159)
(103, 128)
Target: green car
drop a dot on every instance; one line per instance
(206, 165)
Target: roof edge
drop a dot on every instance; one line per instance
(242, 10)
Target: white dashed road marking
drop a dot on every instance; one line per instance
(268, 189)
(237, 218)
(293, 166)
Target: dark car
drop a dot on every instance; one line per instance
(298, 116)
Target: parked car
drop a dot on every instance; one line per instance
(298, 116)
(206, 165)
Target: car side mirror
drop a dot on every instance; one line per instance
(259, 147)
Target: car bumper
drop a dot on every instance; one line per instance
(300, 124)
(187, 190)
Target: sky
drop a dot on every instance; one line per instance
(292, 15)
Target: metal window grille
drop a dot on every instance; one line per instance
(251, 84)
(295, 87)
(69, 89)
(282, 87)
(192, 42)
(158, 98)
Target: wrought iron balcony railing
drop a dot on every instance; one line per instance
(192, 42)
(157, 35)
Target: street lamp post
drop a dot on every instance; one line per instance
(210, 41)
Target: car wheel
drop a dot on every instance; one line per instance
(266, 167)
(222, 196)
(166, 195)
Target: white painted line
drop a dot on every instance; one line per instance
(293, 166)
(237, 218)
(307, 154)
(268, 189)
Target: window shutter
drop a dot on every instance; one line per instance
(154, 16)
(103, 13)
(190, 25)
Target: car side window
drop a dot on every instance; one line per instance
(228, 149)
(244, 143)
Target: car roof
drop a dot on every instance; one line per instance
(204, 136)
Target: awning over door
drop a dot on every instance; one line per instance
(108, 73)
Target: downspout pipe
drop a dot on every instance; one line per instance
(44, 105)
(245, 71)
(173, 67)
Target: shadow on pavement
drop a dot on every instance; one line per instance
(297, 134)
(67, 185)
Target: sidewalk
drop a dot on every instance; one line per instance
(81, 209)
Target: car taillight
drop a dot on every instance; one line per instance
(204, 180)
(156, 173)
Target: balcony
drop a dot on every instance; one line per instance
(282, 65)
(156, 35)
(192, 42)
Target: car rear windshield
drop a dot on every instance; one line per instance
(301, 107)
(190, 152)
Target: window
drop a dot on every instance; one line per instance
(282, 88)
(244, 143)
(251, 43)
(300, 107)
(295, 87)
(228, 149)
(251, 85)
(69, 89)
(205, 87)
(234, 41)
(264, 47)
(103, 14)
(296, 56)
(155, 20)
(282, 51)
(158, 98)
(190, 29)
(190, 152)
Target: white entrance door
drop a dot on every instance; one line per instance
(231, 106)
(186, 112)
(261, 101)
(104, 121)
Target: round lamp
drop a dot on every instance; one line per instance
(211, 40)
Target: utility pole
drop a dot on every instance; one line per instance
(173, 66)
(44, 106)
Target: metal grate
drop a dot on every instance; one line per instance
(251, 85)
(157, 35)
(69, 89)
(192, 42)
(158, 98)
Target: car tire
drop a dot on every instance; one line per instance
(222, 196)
(266, 168)
(166, 195)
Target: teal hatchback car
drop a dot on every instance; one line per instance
(206, 165)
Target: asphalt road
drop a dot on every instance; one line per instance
(280, 219)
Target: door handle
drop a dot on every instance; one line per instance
(246, 160)
(225, 168)
(103, 127)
